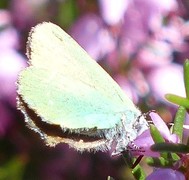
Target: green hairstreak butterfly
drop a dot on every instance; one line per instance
(67, 97)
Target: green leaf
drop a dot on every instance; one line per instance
(181, 101)
(13, 169)
(175, 157)
(139, 173)
(170, 147)
(159, 162)
(4, 4)
(186, 77)
(179, 122)
(156, 136)
(67, 13)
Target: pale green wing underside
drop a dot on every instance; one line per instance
(64, 86)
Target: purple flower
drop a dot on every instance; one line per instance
(127, 38)
(11, 62)
(90, 32)
(163, 129)
(167, 79)
(27, 13)
(144, 141)
(167, 174)
(113, 11)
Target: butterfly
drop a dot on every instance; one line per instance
(67, 97)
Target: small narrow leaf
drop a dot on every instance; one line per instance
(179, 121)
(139, 173)
(181, 101)
(186, 77)
(170, 147)
(159, 162)
(156, 136)
(175, 157)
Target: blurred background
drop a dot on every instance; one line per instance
(142, 44)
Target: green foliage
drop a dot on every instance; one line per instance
(181, 101)
(4, 4)
(67, 13)
(171, 152)
(179, 122)
(12, 169)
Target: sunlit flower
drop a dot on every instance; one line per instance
(113, 11)
(169, 78)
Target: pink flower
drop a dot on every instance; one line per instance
(90, 32)
(113, 11)
(144, 141)
(11, 62)
(167, 79)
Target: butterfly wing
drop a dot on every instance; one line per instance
(64, 86)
